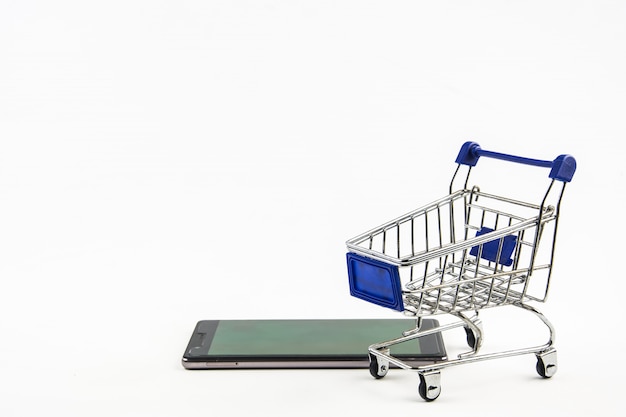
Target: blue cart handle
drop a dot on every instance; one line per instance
(562, 168)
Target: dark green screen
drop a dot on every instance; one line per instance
(308, 337)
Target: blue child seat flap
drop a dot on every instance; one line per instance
(375, 281)
(490, 249)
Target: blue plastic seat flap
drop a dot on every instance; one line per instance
(375, 281)
(490, 249)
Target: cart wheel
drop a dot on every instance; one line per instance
(546, 364)
(378, 367)
(470, 337)
(430, 385)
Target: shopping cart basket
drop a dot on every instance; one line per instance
(464, 252)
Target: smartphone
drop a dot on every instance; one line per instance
(301, 344)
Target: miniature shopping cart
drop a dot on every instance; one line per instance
(464, 252)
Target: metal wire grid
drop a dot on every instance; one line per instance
(431, 246)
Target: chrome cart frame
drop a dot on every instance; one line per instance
(457, 255)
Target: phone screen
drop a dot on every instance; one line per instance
(281, 342)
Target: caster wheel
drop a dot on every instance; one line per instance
(546, 365)
(470, 337)
(430, 387)
(378, 367)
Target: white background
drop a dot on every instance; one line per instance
(163, 162)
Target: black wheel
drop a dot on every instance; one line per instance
(376, 371)
(427, 392)
(541, 370)
(545, 371)
(471, 339)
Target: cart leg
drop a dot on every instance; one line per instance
(543, 318)
(546, 363)
(430, 385)
(473, 332)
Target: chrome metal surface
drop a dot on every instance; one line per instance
(446, 267)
